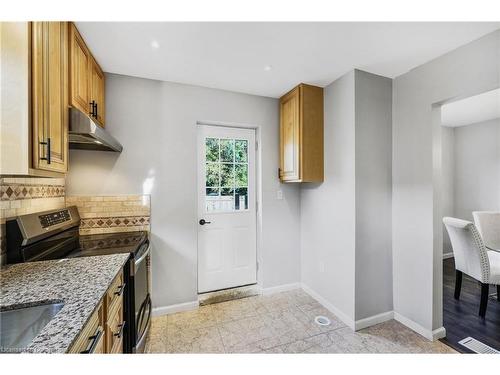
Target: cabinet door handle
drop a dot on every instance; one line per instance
(95, 339)
(120, 332)
(119, 290)
(93, 108)
(47, 154)
(96, 111)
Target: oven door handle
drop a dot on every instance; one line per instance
(143, 256)
(146, 304)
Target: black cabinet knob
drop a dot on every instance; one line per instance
(203, 222)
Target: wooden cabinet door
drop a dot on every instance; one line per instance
(79, 65)
(97, 91)
(290, 136)
(50, 95)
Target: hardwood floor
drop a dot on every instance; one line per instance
(460, 318)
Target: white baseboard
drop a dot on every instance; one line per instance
(170, 309)
(447, 255)
(339, 314)
(428, 334)
(280, 288)
(374, 319)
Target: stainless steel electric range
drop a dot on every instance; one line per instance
(54, 234)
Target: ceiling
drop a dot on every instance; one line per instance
(478, 108)
(270, 58)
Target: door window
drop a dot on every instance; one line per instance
(226, 174)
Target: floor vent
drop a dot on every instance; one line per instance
(322, 320)
(477, 346)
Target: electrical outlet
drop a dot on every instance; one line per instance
(279, 194)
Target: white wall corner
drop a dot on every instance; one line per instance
(372, 320)
(448, 255)
(335, 311)
(280, 288)
(428, 334)
(171, 309)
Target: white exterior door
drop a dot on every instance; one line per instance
(227, 233)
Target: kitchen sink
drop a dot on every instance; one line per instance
(18, 327)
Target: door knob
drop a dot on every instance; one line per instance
(203, 222)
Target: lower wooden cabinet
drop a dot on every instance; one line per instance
(103, 333)
(92, 337)
(114, 330)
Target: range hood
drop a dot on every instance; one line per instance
(85, 134)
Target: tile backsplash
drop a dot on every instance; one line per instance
(99, 214)
(20, 196)
(110, 214)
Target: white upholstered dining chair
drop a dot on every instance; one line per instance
(488, 225)
(473, 259)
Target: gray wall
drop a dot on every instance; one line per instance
(327, 221)
(448, 181)
(156, 123)
(417, 271)
(346, 220)
(373, 111)
(477, 168)
(471, 171)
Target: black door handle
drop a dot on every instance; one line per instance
(203, 222)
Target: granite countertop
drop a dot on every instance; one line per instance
(79, 283)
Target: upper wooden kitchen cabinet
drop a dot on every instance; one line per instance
(86, 78)
(49, 80)
(301, 135)
(97, 91)
(79, 64)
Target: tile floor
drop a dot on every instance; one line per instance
(279, 323)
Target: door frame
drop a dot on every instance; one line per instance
(258, 191)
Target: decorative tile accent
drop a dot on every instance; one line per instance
(13, 192)
(110, 214)
(21, 196)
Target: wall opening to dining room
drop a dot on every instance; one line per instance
(466, 156)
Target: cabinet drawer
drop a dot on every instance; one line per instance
(114, 294)
(91, 338)
(115, 328)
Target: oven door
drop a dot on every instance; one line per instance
(142, 298)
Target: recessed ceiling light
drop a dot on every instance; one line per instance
(155, 44)
(268, 68)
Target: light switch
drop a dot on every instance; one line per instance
(279, 194)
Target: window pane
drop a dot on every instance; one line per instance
(212, 149)
(212, 174)
(227, 150)
(212, 199)
(227, 175)
(241, 199)
(212, 192)
(241, 150)
(241, 175)
(224, 202)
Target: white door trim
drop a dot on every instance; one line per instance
(258, 189)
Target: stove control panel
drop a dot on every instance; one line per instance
(54, 218)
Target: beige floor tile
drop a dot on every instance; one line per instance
(201, 340)
(234, 310)
(279, 323)
(396, 337)
(263, 331)
(156, 345)
(202, 317)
